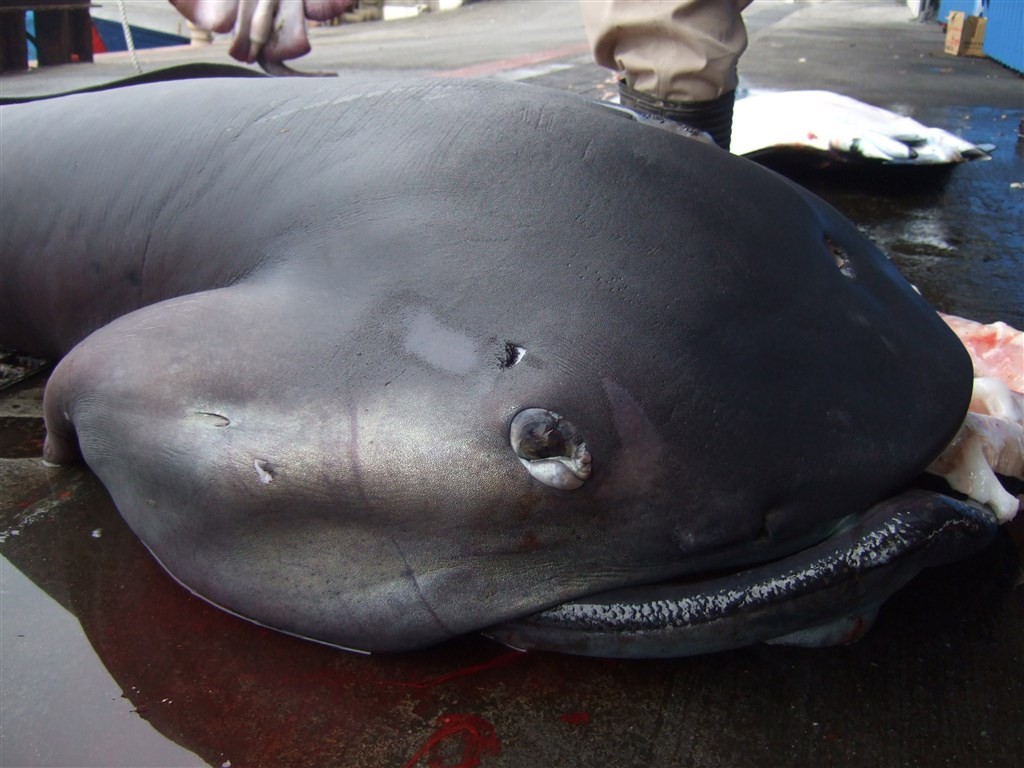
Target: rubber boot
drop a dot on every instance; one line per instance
(712, 117)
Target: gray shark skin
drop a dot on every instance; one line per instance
(297, 321)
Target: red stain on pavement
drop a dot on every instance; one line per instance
(430, 682)
(477, 735)
(575, 718)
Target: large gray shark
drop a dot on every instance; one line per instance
(382, 363)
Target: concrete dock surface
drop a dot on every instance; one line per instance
(105, 661)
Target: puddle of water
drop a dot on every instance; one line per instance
(50, 674)
(956, 236)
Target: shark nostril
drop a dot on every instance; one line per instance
(551, 448)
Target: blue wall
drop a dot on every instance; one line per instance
(1004, 35)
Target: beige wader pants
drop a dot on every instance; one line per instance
(679, 50)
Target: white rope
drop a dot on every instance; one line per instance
(128, 35)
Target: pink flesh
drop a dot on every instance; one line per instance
(997, 350)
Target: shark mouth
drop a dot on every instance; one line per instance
(827, 594)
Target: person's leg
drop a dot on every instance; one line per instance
(677, 57)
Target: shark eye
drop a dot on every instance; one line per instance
(551, 448)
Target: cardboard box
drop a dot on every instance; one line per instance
(965, 35)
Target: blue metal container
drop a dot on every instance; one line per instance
(1004, 35)
(112, 35)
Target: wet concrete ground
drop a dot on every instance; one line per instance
(104, 660)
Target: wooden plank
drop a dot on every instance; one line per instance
(42, 5)
(23, 8)
(62, 35)
(53, 37)
(13, 42)
(81, 34)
